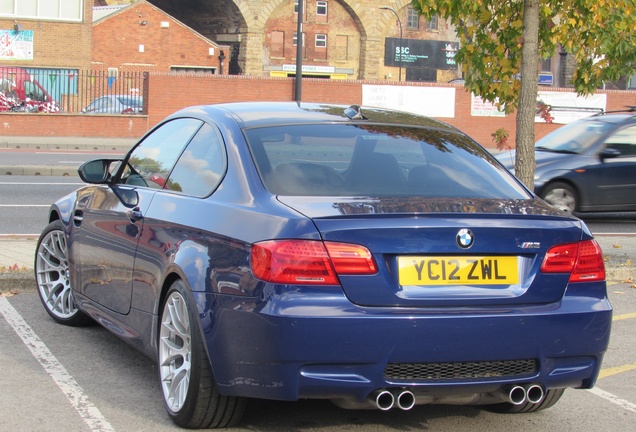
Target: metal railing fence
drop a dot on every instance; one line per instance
(62, 90)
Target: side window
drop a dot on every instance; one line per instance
(624, 140)
(150, 162)
(201, 166)
(33, 92)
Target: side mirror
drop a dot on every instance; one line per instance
(96, 171)
(609, 153)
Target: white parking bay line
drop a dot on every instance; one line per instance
(614, 399)
(71, 389)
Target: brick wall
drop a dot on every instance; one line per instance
(169, 92)
(72, 125)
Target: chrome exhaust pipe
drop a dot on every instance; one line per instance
(405, 400)
(534, 393)
(383, 399)
(517, 395)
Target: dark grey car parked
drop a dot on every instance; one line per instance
(588, 165)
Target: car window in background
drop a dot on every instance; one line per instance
(201, 166)
(624, 141)
(151, 161)
(130, 101)
(573, 138)
(374, 160)
(99, 105)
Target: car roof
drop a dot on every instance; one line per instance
(261, 114)
(613, 118)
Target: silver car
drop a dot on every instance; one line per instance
(115, 104)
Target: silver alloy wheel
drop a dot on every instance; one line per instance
(52, 274)
(561, 198)
(175, 351)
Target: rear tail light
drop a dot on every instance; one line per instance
(583, 260)
(309, 261)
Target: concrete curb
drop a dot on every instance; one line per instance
(38, 170)
(67, 143)
(11, 283)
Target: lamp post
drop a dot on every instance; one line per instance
(400, 47)
(221, 58)
(299, 53)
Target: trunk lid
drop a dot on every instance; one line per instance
(443, 252)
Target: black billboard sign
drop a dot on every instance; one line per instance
(430, 54)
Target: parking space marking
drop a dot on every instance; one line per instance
(616, 370)
(624, 316)
(71, 389)
(614, 399)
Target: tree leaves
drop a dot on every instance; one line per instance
(598, 34)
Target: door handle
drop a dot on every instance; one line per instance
(134, 215)
(78, 218)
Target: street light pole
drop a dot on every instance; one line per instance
(299, 53)
(400, 47)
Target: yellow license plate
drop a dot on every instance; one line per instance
(458, 270)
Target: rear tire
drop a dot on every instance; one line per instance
(52, 276)
(190, 393)
(551, 397)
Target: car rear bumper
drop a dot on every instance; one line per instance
(321, 346)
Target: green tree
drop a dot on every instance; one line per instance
(502, 41)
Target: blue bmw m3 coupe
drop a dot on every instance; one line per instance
(287, 251)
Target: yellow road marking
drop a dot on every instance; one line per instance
(624, 316)
(616, 370)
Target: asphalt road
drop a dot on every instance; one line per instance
(25, 200)
(24, 203)
(57, 378)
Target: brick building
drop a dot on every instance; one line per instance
(342, 38)
(46, 37)
(140, 37)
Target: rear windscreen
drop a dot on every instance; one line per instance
(376, 160)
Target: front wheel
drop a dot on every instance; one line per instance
(190, 394)
(53, 277)
(562, 196)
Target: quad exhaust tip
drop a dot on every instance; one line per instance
(534, 393)
(528, 393)
(386, 399)
(519, 394)
(383, 399)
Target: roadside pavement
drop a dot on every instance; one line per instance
(17, 260)
(87, 144)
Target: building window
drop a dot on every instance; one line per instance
(296, 38)
(203, 70)
(412, 19)
(546, 65)
(321, 8)
(321, 41)
(342, 47)
(304, 6)
(432, 23)
(277, 47)
(63, 10)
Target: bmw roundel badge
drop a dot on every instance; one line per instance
(465, 238)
